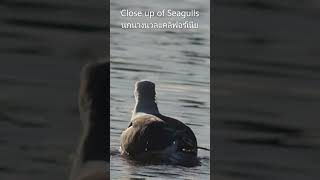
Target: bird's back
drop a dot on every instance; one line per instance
(160, 139)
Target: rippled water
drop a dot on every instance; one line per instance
(43, 46)
(266, 90)
(265, 86)
(178, 62)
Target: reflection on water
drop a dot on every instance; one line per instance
(42, 48)
(178, 62)
(266, 90)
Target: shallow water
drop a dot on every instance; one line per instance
(178, 62)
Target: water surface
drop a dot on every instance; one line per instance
(178, 62)
(266, 90)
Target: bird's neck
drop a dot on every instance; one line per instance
(95, 135)
(145, 105)
(94, 113)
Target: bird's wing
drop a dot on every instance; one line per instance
(183, 135)
(146, 133)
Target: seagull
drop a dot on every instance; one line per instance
(154, 138)
(92, 156)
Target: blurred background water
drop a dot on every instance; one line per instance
(266, 89)
(265, 86)
(43, 45)
(178, 62)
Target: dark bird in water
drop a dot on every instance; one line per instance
(92, 156)
(154, 138)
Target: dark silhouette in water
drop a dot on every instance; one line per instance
(154, 138)
(93, 152)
